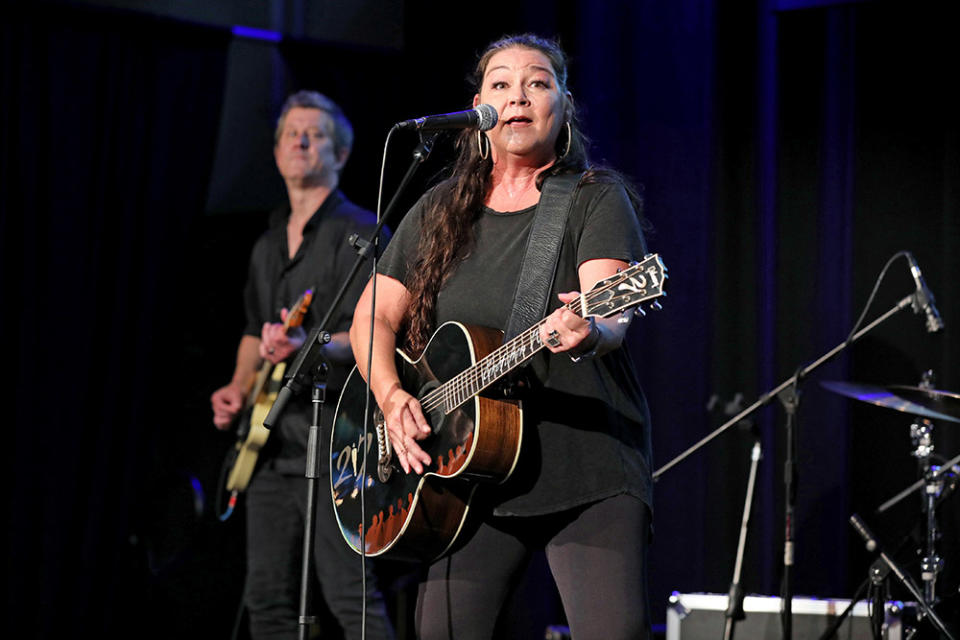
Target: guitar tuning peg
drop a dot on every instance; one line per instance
(639, 311)
(655, 305)
(624, 318)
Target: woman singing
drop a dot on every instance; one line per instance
(581, 489)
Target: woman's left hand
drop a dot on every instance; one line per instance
(564, 330)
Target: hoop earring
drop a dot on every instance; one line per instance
(569, 138)
(480, 139)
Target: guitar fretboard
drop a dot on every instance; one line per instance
(603, 300)
(484, 373)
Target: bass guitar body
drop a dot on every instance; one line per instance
(253, 437)
(474, 438)
(251, 434)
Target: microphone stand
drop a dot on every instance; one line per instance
(875, 576)
(310, 365)
(790, 398)
(879, 570)
(905, 580)
(789, 401)
(734, 610)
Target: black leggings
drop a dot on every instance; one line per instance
(597, 555)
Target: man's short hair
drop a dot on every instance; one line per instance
(342, 129)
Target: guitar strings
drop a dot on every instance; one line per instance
(470, 382)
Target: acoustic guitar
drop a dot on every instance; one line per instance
(475, 438)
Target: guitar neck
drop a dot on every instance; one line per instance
(625, 290)
(294, 319)
(496, 365)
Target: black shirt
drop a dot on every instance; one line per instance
(591, 438)
(275, 281)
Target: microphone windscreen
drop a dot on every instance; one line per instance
(488, 116)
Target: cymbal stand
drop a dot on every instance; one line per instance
(905, 579)
(949, 469)
(921, 434)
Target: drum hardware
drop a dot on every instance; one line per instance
(886, 397)
(942, 402)
(877, 571)
(936, 480)
(787, 393)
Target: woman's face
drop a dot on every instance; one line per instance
(521, 85)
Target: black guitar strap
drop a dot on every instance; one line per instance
(539, 266)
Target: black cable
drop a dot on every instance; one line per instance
(238, 620)
(366, 406)
(876, 286)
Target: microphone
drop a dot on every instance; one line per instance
(483, 117)
(924, 298)
(864, 532)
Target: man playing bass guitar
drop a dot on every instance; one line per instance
(304, 248)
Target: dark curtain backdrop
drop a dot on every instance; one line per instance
(108, 125)
(784, 155)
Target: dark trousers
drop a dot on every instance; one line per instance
(597, 555)
(276, 506)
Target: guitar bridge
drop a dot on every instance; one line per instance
(384, 449)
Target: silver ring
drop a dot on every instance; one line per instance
(271, 350)
(553, 338)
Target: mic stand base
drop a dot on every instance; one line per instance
(925, 607)
(831, 631)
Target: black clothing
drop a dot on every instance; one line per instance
(582, 484)
(597, 556)
(591, 438)
(276, 499)
(275, 281)
(276, 505)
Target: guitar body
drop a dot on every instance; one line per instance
(474, 437)
(252, 435)
(408, 515)
(251, 441)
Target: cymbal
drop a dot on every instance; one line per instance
(943, 402)
(883, 397)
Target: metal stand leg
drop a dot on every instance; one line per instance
(735, 605)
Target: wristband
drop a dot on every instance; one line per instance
(588, 348)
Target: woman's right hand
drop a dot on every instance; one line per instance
(406, 425)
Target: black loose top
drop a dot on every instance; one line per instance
(591, 437)
(275, 281)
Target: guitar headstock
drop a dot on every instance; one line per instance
(639, 282)
(299, 309)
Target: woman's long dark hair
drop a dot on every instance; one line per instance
(453, 207)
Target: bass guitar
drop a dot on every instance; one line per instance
(252, 435)
(475, 438)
